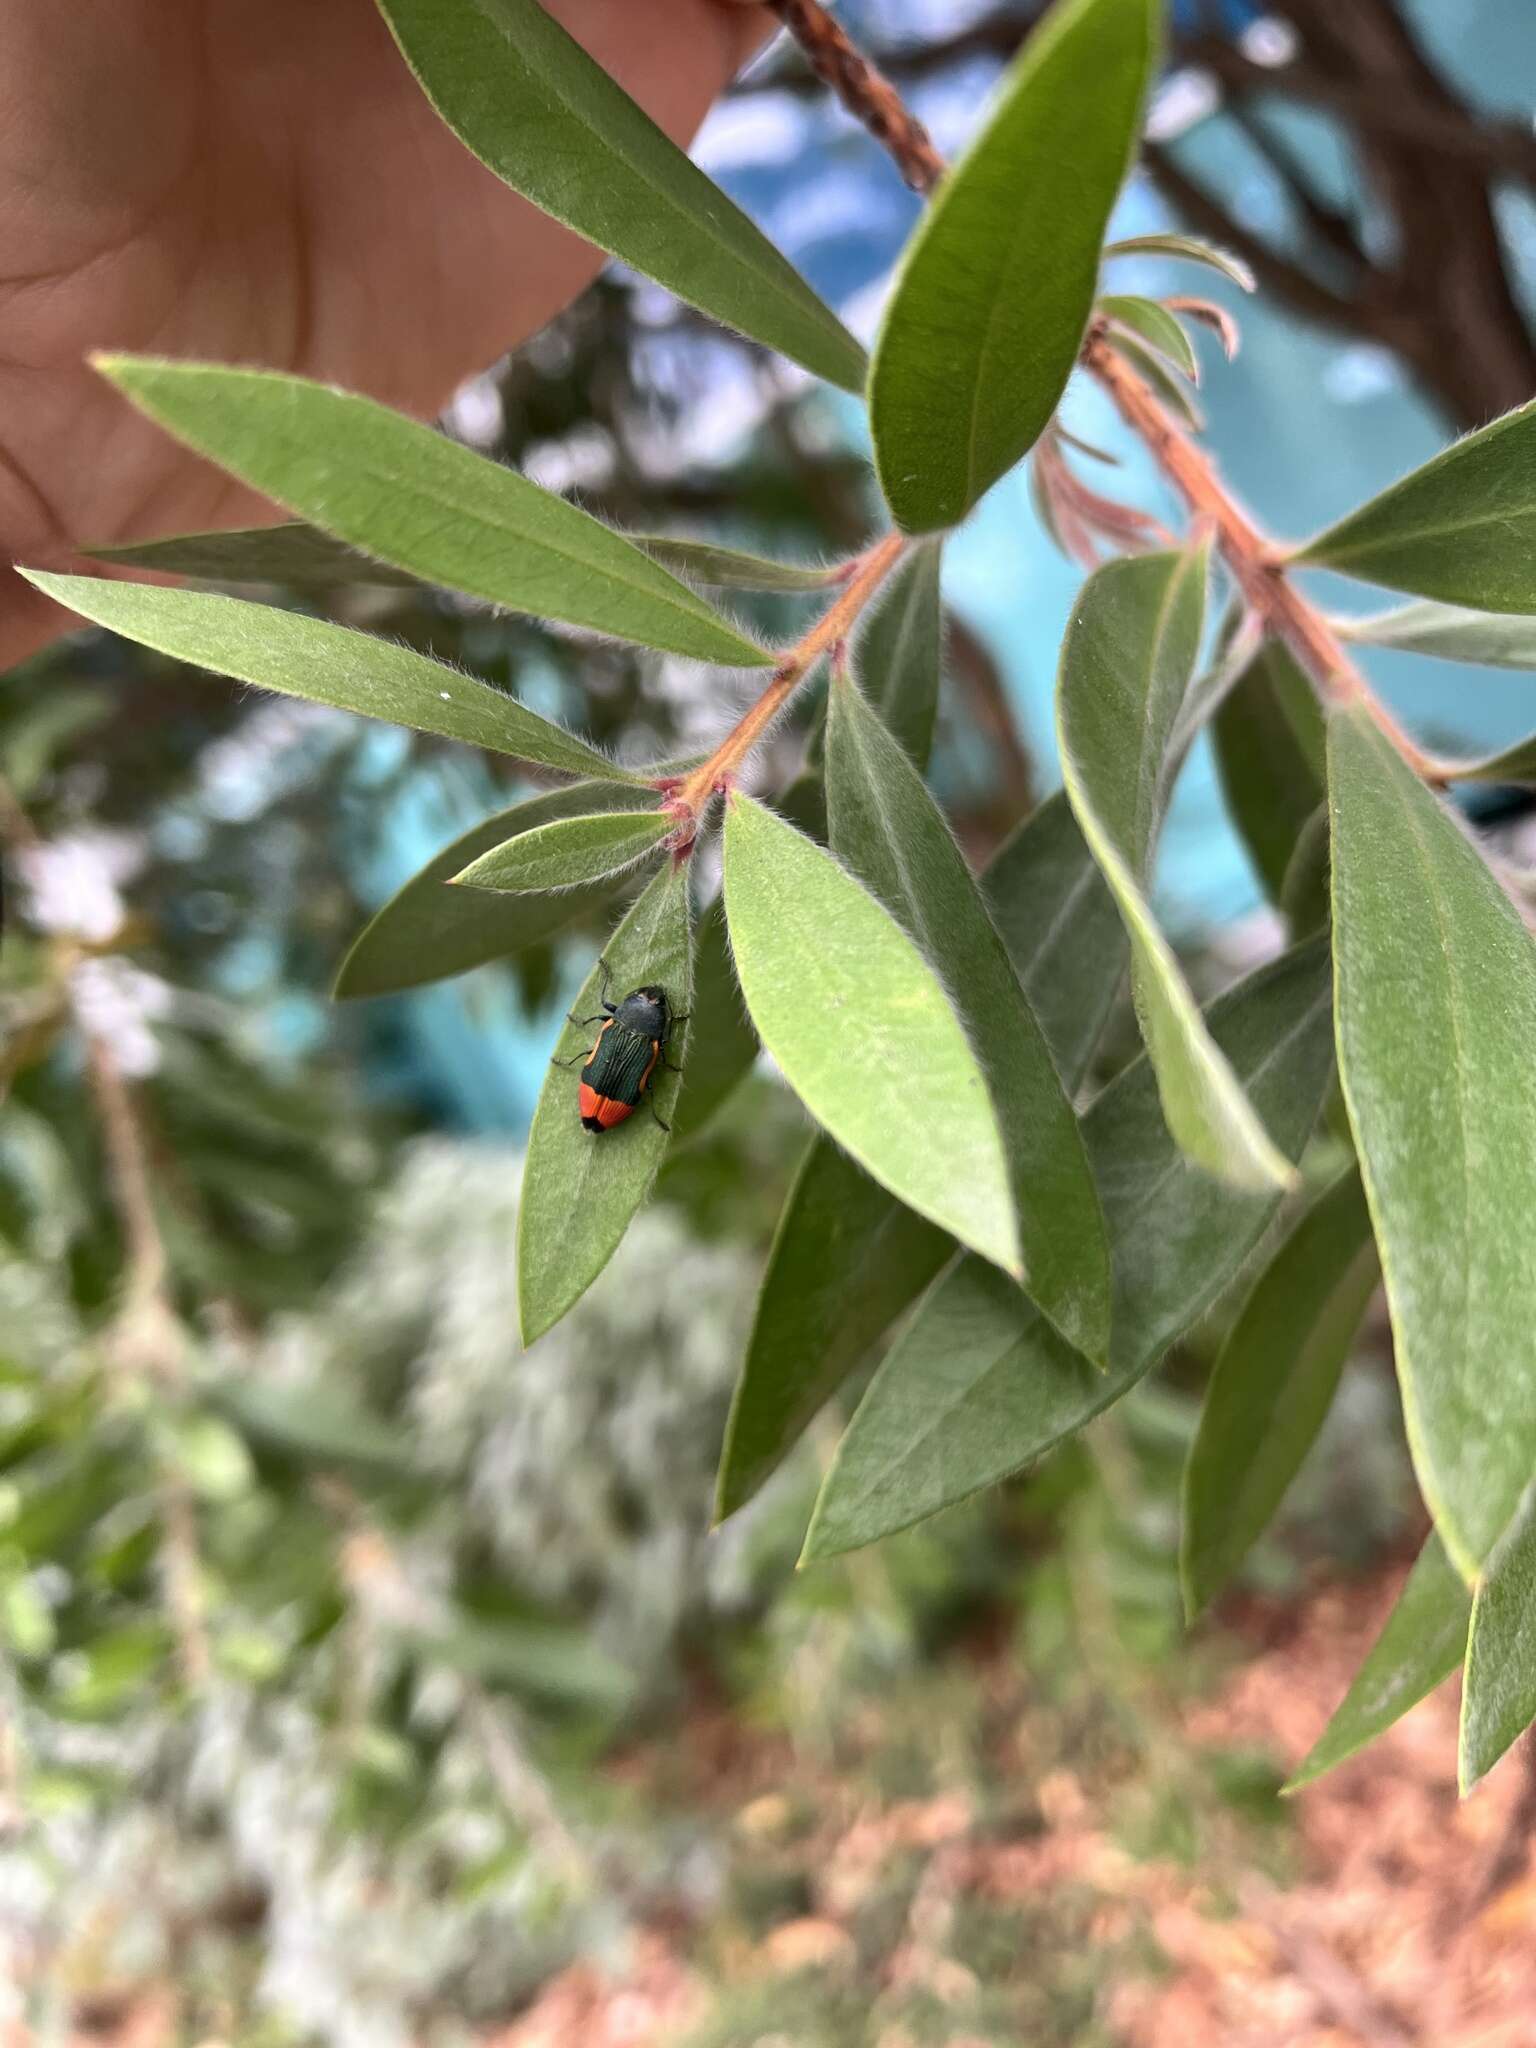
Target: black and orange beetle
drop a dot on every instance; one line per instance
(624, 1055)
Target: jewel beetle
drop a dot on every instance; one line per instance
(625, 1054)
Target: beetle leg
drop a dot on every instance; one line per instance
(655, 1112)
(576, 1060)
(669, 1066)
(572, 1018)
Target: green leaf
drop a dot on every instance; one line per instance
(1187, 249)
(1461, 529)
(1305, 890)
(551, 1661)
(568, 851)
(1273, 1384)
(1498, 1699)
(980, 1385)
(862, 1030)
(305, 558)
(410, 496)
(1270, 755)
(723, 1046)
(1156, 326)
(304, 657)
(1125, 666)
(701, 561)
(316, 1422)
(1436, 983)
(893, 836)
(546, 118)
(1056, 917)
(1513, 764)
(900, 650)
(293, 553)
(580, 1188)
(1496, 639)
(429, 930)
(1153, 367)
(1420, 1646)
(997, 283)
(847, 1257)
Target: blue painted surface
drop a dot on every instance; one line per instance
(1303, 425)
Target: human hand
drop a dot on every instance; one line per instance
(263, 185)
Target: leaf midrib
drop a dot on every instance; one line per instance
(1114, 1375)
(788, 297)
(367, 468)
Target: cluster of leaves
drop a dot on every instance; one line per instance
(937, 1027)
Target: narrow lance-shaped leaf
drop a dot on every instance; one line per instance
(429, 930)
(889, 830)
(547, 118)
(1304, 893)
(847, 1257)
(1498, 1697)
(1495, 639)
(291, 552)
(704, 561)
(1125, 666)
(414, 498)
(858, 1023)
(568, 851)
(1461, 529)
(580, 1188)
(997, 282)
(1155, 370)
(1420, 1646)
(980, 1385)
(722, 1045)
(1188, 249)
(1510, 764)
(1436, 999)
(1157, 327)
(1273, 1385)
(900, 651)
(304, 657)
(1055, 914)
(308, 559)
(1270, 754)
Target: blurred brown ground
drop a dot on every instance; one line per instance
(1414, 1924)
(1411, 1922)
